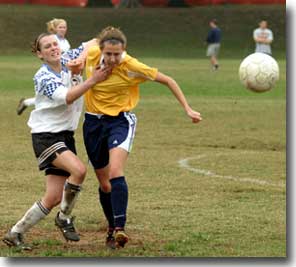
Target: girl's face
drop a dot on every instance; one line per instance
(50, 51)
(62, 29)
(112, 54)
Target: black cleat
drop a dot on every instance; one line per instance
(110, 240)
(21, 106)
(67, 228)
(14, 239)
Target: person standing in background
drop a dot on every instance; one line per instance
(58, 27)
(213, 40)
(263, 37)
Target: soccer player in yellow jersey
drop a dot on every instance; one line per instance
(109, 126)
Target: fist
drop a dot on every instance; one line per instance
(75, 66)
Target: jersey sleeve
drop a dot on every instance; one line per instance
(140, 71)
(48, 87)
(71, 54)
(255, 34)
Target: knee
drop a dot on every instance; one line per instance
(79, 173)
(105, 187)
(115, 172)
(104, 183)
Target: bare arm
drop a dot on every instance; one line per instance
(77, 65)
(176, 90)
(75, 92)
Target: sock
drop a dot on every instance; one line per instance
(33, 215)
(29, 101)
(119, 199)
(70, 195)
(105, 200)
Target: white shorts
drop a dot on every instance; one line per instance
(213, 49)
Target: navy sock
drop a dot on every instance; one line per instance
(119, 199)
(105, 199)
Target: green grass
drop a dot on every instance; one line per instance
(173, 211)
(151, 32)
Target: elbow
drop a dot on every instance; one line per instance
(69, 100)
(170, 81)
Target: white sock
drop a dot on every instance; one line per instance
(70, 195)
(29, 101)
(33, 215)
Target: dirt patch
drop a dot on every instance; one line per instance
(52, 244)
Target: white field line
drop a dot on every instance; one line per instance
(184, 163)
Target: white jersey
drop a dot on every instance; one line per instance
(51, 113)
(266, 34)
(63, 43)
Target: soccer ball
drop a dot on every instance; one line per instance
(259, 72)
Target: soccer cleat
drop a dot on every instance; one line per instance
(14, 239)
(110, 241)
(121, 238)
(21, 106)
(67, 228)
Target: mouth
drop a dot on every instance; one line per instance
(55, 54)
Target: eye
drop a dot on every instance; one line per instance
(47, 46)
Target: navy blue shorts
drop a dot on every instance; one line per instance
(102, 133)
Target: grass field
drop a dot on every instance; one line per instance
(152, 32)
(216, 189)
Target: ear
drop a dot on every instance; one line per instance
(39, 55)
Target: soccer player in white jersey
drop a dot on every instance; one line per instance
(58, 27)
(263, 38)
(53, 122)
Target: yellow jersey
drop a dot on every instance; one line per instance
(120, 91)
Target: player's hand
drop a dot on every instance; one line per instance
(194, 115)
(75, 66)
(101, 74)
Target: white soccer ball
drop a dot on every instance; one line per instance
(259, 72)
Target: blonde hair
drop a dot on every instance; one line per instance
(53, 24)
(112, 35)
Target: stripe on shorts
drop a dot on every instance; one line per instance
(49, 151)
(128, 142)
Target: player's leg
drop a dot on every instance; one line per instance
(214, 62)
(104, 191)
(119, 193)
(15, 236)
(39, 210)
(69, 162)
(24, 103)
(120, 141)
(96, 144)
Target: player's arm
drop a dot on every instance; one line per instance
(75, 92)
(257, 37)
(269, 38)
(176, 90)
(77, 65)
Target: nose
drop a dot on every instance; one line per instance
(112, 59)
